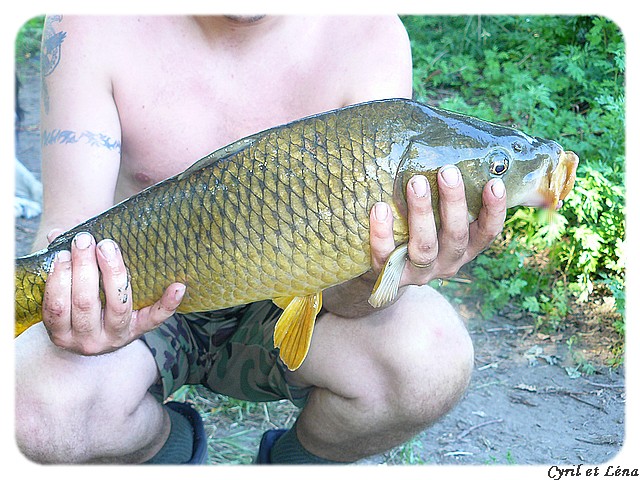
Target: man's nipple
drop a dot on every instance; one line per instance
(143, 179)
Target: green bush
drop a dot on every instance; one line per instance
(557, 77)
(28, 40)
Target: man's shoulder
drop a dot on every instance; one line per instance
(371, 29)
(374, 54)
(97, 34)
(88, 25)
(370, 39)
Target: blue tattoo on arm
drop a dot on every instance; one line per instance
(58, 136)
(50, 54)
(51, 45)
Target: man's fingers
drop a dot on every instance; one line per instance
(491, 218)
(423, 239)
(453, 236)
(117, 289)
(85, 301)
(381, 235)
(439, 253)
(73, 310)
(56, 307)
(148, 318)
(53, 233)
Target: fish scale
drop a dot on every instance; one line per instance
(284, 214)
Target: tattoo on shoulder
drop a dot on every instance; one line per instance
(58, 136)
(51, 50)
(51, 45)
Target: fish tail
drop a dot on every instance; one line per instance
(30, 275)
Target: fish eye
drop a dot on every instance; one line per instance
(499, 164)
(499, 167)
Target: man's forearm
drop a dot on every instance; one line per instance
(350, 299)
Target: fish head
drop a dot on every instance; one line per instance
(536, 172)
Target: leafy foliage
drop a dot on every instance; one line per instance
(556, 77)
(28, 39)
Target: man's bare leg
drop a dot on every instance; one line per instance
(381, 380)
(72, 408)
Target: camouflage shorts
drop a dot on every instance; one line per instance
(230, 351)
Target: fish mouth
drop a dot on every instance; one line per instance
(560, 180)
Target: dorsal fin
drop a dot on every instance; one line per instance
(220, 154)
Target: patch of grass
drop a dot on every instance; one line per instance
(409, 453)
(234, 427)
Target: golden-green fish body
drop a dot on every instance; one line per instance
(284, 214)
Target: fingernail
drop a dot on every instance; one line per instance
(108, 249)
(497, 188)
(63, 256)
(82, 240)
(51, 236)
(380, 211)
(419, 186)
(450, 175)
(179, 293)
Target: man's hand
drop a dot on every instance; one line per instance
(72, 310)
(439, 254)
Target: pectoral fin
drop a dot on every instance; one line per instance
(386, 287)
(292, 333)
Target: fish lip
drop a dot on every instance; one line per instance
(559, 181)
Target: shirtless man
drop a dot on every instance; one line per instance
(130, 101)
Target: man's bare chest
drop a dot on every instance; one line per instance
(166, 130)
(182, 102)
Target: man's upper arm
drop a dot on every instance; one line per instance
(80, 129)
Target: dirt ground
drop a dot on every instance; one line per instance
(525, 404)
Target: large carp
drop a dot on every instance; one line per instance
(284, 214)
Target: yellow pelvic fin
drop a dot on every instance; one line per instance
(386, 287)
(292, 333)
(283, 302)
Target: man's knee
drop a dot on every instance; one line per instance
(62, 399)
(48, 401)
(430, 360)
(45, 430)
